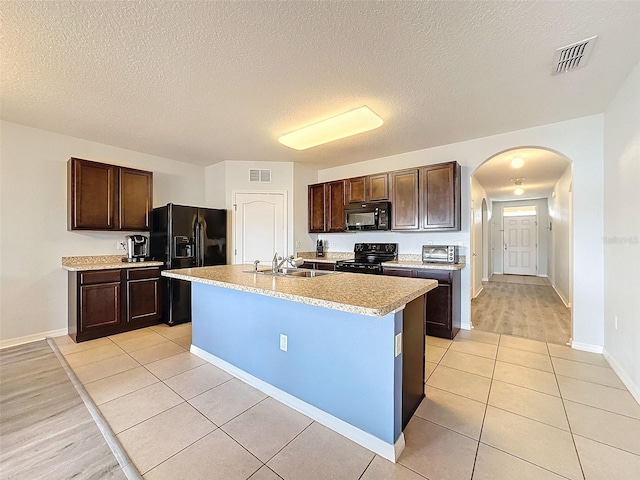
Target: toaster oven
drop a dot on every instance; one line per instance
(439, 254)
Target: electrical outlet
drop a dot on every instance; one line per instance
(398, 344)
(120, 245)
(283, 342)
(297, 243)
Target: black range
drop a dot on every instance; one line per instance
(368, 258)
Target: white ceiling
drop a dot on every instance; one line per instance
(208, 81)
(539, 174)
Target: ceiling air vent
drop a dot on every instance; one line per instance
(573, 56)
(259, 176)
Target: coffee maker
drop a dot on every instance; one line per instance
(137, 248)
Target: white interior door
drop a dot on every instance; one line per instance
(260, 227)
(520, 245)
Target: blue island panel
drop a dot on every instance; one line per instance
(339, 362)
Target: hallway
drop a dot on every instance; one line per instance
(522, 306)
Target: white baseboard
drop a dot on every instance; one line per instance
(587, 347)
(631, 386)
(564, 300)
(478, 292)
(466, 326)
(485, 279)
(389, 451)
(12, 342)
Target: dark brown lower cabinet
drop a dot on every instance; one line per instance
(443, 302)
(318, 265)
(106, 302)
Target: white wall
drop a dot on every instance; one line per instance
(622, 231)
(33, 199)
(542, 209)
(215, 195)
(581, 141)
(223, 179)
(477, 195)
(559, 262)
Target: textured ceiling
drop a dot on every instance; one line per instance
(540, 173)
(203, 82)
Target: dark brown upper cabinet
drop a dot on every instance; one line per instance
(377, 187)
(405, 199)
(334, 194)
(440, 197)
(355, 189)
(326, 207)
(136, 194)
(108, 197)
(372, 188)
(424, 198)
(316, 208)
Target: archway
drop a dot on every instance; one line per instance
(543, 179)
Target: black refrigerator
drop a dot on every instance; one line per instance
(184, 237)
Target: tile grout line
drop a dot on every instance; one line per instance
(486, 407)
(564, 408)
(114, 444)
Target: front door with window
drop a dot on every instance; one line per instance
(520, 245)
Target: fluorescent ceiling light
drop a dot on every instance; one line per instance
(517, 162)
(518, 191)
(356, 121)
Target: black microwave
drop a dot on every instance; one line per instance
(367, 216)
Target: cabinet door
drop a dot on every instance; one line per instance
(404, 200)
(355, 189)
(377, 187)
(144, 306)
(440, 196)
(92, 190)
(335, 206)
(316, 208)
(439, 304)
(136, 199)
(99, 306)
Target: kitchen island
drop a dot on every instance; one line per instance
(345, 349)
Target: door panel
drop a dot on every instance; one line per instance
(520, 248)
(260, 227)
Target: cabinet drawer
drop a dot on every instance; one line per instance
(442, 276)
(101, 276)
(141, 273)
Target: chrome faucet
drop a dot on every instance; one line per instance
(278, 262)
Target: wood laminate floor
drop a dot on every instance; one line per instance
(46, 430)
(522, 306)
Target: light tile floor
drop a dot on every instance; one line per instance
(496, 407)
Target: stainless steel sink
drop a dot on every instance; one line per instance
(304, 272)
(296, 272)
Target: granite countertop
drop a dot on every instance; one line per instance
(425, 266)
(371, 295)
(102, 262)
(329, 257)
